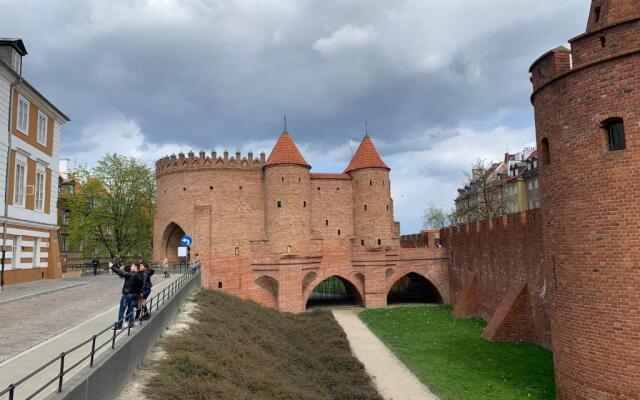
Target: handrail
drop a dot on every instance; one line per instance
(59, 377)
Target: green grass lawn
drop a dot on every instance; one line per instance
(451, 358)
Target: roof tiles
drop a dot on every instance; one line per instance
(366, 157)
(286, 152)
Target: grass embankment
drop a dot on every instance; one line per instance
(451, 358)
(240, 350)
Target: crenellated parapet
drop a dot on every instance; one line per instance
(190, 162)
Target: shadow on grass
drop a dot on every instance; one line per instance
(240, 350)
(451, 358)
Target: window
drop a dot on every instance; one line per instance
(20, 183)
(42, 128)
(546, 152)
(362, 242)
(387, 207)
(288, 249)
(65, 217)
(614, 128)
(379, 242)
(304, 204)
(596, 14)
(16, 61)
(279, 203)
(16, 251)
(237, 251)
(530, 185)
(64, 242)
(326, 222)
(603, 41)
(219, 285)
(282, 178)
(338, 232)
(370, 183)
(39, 190)
(535, 183)
(23, 115)
(365, 207)
(36, 253)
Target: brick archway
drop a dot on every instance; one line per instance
(350, 284)
(171, 237)
(413, 287)
(266, 289)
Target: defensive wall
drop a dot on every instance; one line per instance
(496, 272)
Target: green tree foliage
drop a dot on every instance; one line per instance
(112, 207)
(437, 218)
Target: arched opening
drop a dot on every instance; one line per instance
(334, 291)
(173, 233)
(267, 291)
(413, 288)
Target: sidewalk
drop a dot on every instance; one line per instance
(393, 380)
(25, 290)
(24, 363)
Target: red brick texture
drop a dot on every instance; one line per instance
(496, 272)
(272, 231)
(590, 198)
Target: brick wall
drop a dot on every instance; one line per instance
(496, 272)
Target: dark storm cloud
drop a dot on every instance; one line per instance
(163, 75)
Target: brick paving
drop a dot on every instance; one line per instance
(30, 321)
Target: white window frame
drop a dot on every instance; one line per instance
(22, 161)
(16, 252)
(42, 128)
(22, 104)
(36, 253)
(40, 195)
(16, 61)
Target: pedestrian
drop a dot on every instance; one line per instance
(165, 267)
(131, 290)
(95, 264)
(196, 263)
(147, 273)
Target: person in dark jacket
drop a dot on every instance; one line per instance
(131, 290)
(147, 273)
(94, 265)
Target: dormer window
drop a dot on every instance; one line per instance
(16, 61)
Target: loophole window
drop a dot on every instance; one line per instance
(237, 251)
(219, 285)
(614, 128)
(279, 203)
(338, 232)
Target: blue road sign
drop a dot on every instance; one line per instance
(186, 241)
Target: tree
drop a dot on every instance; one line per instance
(112, 207)
(482, 198)
(434, 217)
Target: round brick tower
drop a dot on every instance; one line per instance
(287, 196)
(372, 208)
(587, 112)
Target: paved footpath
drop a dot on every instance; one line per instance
(35, 330)
(392, 379)
(22, 291)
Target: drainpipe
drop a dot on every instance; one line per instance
(6, 184)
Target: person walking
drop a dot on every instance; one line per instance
(196, 263)
(131, 290)
(165, 267)
(94, 265)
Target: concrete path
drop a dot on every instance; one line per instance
(25, 290)
(392, 379)
(27, 361)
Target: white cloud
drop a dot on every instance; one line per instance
(347, 37)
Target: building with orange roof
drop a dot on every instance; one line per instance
(272, 231)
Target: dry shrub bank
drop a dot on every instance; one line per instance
(240, 350)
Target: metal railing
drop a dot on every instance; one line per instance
(96, 345)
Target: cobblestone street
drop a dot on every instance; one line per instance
(28, 322)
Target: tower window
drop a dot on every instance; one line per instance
(546, 153)
(304, 204)
(387, 207)
(338, 188)
(282, 178)
(615, 134)
(240, 187)
(338, 232)
(596, 14)
(326, 222)
(370, 183)
(379, 242)
(299, 179)
(365, 207)
(603, 41)
(279, 204)
(210, 187)
(318, 187)
(237, 251)
(219, 285)
(288, 249)
(362, 242)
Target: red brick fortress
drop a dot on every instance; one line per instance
(271, 230)
(587, 111)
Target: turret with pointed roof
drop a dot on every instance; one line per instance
(366, 156)
(286, 152)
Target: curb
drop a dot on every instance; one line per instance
(26, 296)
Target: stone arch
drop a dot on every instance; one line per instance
(413, 287)
(171, 237)
(267, 291)
(354, 295)
(308, 279)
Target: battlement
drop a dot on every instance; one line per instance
(191, 162)
(505, 222)
(550, 66)
(605, 13)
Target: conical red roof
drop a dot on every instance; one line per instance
(366, 157)
(286, 152)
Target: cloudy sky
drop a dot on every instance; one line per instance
(440, 82)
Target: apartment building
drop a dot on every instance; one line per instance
(30, 128)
